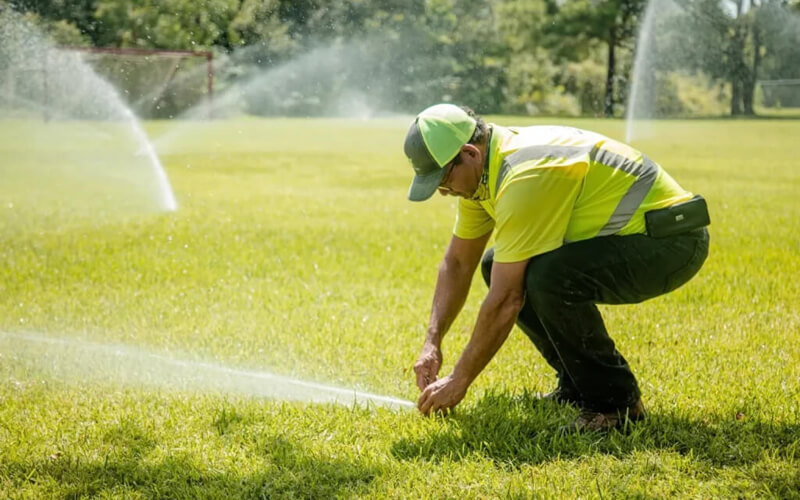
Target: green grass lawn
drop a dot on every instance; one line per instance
(294, 251)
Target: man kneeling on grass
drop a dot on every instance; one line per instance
(578, 219)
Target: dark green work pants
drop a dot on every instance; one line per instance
(560, 314)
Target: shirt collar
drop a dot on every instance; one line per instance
(482, 193)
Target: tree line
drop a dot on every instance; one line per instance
(571, 57)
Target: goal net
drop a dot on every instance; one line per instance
(779, 94)
(156, 83)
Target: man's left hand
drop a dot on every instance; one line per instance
(442, 394)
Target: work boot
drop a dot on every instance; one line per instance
(592, 421)
(560, 396)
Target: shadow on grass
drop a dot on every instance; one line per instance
(290, 473)
(513, 430)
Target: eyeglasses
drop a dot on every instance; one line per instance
(446, 177)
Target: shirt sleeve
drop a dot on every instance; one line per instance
(472, 220)
(533, 213)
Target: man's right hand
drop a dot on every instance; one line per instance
(428, 365)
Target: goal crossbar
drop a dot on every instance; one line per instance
(787, 81)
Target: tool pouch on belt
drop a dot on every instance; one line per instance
(677, 219)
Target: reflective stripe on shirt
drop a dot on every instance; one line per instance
(645, 173)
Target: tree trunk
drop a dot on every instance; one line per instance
(736, 95)
(736, 54)
(749, 89)
(739, 71)
(608, 105)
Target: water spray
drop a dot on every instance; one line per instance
(79, 360)
(69, 127)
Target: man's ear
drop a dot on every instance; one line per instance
(471, 150)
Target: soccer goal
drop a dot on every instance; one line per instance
(779, 95)
(156, 83)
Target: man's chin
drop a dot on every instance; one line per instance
(459, 194)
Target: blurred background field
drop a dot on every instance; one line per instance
(356, 58)
(295, 251)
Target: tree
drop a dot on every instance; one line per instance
(779, 26)
(734, 41)
(579, 22)
(77, 13)
(463, 39)
(257, 25)
(164, 24)
(536, 81)
(406, 55)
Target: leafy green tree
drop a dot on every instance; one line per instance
(540, 78)
(534, 56)
(577, 23)
(584, 80)
(735, 42)
(63, 32)
(74, 18)
(407, 55)
(779, 34)
(257, 26)
(530, 71)
(464, 41)
(164, 24)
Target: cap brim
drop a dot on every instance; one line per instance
(423, 186)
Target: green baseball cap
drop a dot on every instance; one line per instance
(433, 140)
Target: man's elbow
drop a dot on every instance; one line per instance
(507, 302)
(514, 301)
(452, 264)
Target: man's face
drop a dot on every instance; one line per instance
(463, 174)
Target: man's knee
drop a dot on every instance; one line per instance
(486, 266)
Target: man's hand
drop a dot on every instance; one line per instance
(495, 319)
(442, 394)
(428, 365)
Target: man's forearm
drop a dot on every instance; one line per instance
(495, 320)
(452, 288)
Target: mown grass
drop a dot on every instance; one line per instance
(295, 251)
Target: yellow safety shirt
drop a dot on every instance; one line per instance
(546, 186)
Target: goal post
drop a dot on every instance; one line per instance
(779, 94)
(155, 83)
